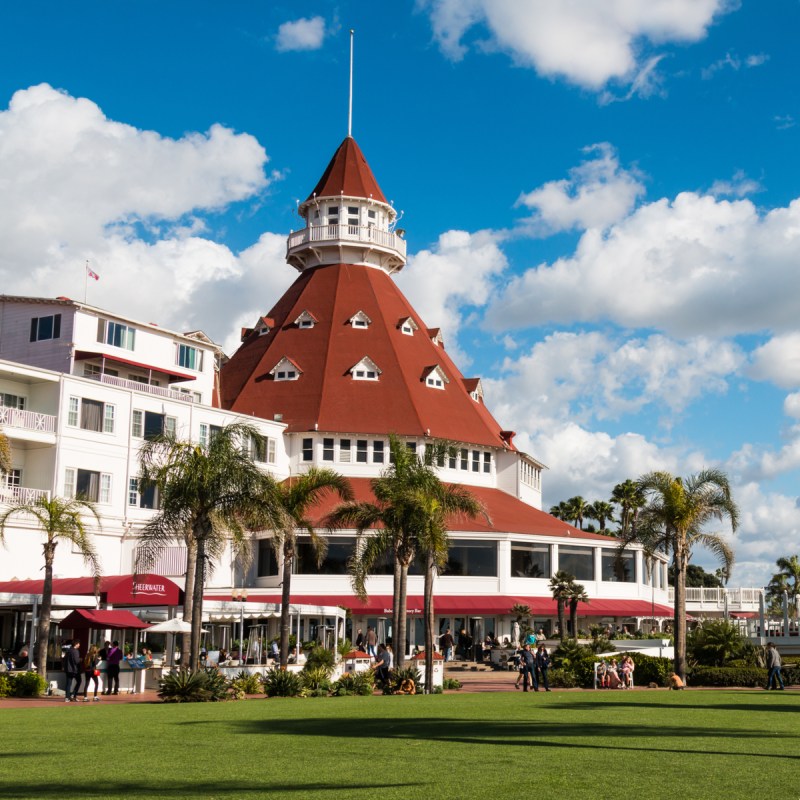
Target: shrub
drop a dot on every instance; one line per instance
(246, 683)
(561, 679)
(651, 669)
(354, 683)
(397, 676)
(5, 685)
(577, 660)
(451, 683)
(728, 676)
(281, 683)
(714, 643)
(315, 681)
(319, 657)
(28, 684)
(185, 687)
(344, 647)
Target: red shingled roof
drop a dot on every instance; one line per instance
(326, 397)
(348, 174)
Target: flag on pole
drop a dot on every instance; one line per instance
(91, 273)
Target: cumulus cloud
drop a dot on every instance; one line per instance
(306, 33)
(597, 194)
(130, 201)
(778, 361)
(585, 42)
(738, 186)
(695, 265)
(457, 273)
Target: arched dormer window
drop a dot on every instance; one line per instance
(365, 370)
(434, 377)
(360, 320)
(407, 326)
(306, 320)
(286, 370)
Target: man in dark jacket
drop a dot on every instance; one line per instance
(773, 658)
(73, 670)
(529, 676)
(542, 665)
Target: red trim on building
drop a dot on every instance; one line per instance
(115, 590)
(174, 375)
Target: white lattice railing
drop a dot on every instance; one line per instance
(715, 597)
(171, 562)
(21, 494)
(361, 234)
(28, 420)
(159, 391)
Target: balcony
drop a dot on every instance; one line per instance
(702, 599)
(147, 388)
(366, 235)
(27, 420)
(22, 494)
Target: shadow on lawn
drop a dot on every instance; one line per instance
(591, 705)
(516, 733)
(194, 789)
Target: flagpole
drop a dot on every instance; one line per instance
(85, 281)
(350, 105)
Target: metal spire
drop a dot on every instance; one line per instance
(350, 110)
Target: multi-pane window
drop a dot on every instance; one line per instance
(90, 415)
(476, 461)
(487, 462)
(361, 451)
(327, 449)
(377, 452)
(464, 458)
(93, 486)
(170, 426)
(11, 478)
(472, 558)
(96, 371)
(308, 449)
(267, 561)
(578, 561)
(352, 215)
(344, 451)
(137, 423)
(204, 434)
(116, 334)
(12, 401)
(142, 497)
(619, 567)
(412, 446)
(452, 458)
(530, 560)
(333, 215)
(43, 328)
(189, 357)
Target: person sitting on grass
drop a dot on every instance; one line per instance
(675, 682)
(407, 687)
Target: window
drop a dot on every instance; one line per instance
(153, 425)
(476, 461)
(270, 451)
(360, 320)
(285, 370)
(267, 561)
(335, 561)
(464, 458)
(472, 559)
(116, 334)
(94, 486)
(352, 215)
(412, 446)
(190, 357)
(203, 434)
(12, 401)
(286, 375)
(435, 378)
(43, 328)
(333, 215)
(377, 452)
(365, 370)
(137, 424)
(257, 448)
(197, 397)
(578, 561)
(487, 462)
(327, 449)
(530, 560)
(308, 449)
(344, 451)
(452, 458)
(170, 426)
(90, 415)
(434, 381)
(148, 498)
(305, 320)
(96, 371)
(361, 451)
(11, 479)
(618, 567)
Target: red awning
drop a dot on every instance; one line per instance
(174, 375)
(83, 618)
(115, 590)
(744, 614)
(381, 605)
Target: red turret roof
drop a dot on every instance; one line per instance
(326, 397)
(348, 174)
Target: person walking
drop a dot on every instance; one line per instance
(90, 672)
(529, 676)
(447, 642)
(72, 668)
(372, 642)
(773, 658)
(543, 665)
(112, 668)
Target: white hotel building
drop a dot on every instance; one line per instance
(341, 361)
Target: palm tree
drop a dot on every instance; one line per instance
(561, 511)
(206, 492)
(561, 589)
(628, 496)
(5, 453)
(601, 511)
(577, 594)
(578, 510)
(673, 518)
(293, 498)
(790, 569)
(59, 519)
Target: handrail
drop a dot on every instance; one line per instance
(136, 386)
(363, 234)
(22, 494)
(29, 420)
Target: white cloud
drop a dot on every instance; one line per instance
(738, 186)
(597, 194)
(583, 41)
(791, 405)
(695, 265)
(456, 273)
(734, 62)
(778, 361)
(307, 33)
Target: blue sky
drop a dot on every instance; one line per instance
(601, 202)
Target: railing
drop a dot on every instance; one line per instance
(29, 420)
(159, 391)
(171, 562)
(21, 494)
(362, 234)
(715, 597)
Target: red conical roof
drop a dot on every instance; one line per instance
(326, 397)
(348, 174)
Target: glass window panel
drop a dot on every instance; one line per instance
(308, 449)
(620, 567)
(335, 562)
(267, 561)
(361, 451)
(530, 561)
(377, 452)
(472, 558)
(578, 561)
(327, 449)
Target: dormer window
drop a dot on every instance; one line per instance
(306, 320)
(264, 325)
(475, 389)
(365, 370)
(435, 377)
(436, 336)
(286, 370)
(360, 320)
(408, 326)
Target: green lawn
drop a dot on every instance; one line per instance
(644, 744)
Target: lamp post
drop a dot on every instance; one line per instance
(240, 596)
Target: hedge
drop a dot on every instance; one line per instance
(728, 676)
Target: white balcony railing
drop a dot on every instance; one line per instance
(158, 391)
(27, 420)
(22, 494)
(361, 234)
(708, 598)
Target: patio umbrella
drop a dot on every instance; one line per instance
(172, 626)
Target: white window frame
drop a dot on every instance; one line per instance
(74, 415)
(196, 361)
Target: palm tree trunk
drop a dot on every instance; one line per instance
(401, 617)
(188, 596)
(43, 628)
(562, 622)
(428, 620)
(197, 603)
(398, 578)
(680, 563)
(573, 617)
(286, 594)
